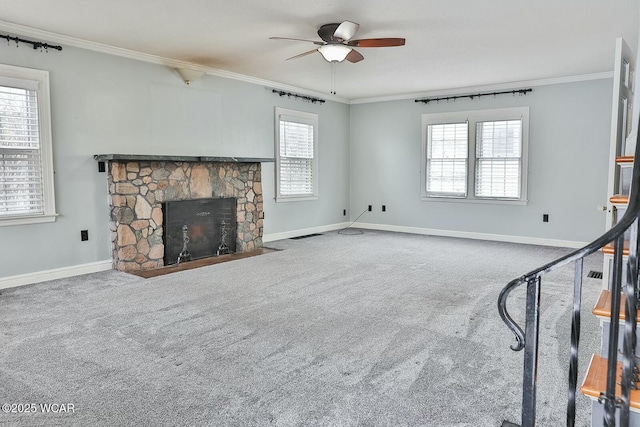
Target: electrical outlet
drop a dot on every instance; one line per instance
(370, 208)
(84, 235)
(545, 217)
(384, 208)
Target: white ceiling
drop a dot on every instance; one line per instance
(450, 44)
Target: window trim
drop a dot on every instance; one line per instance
(472, 117)
(466, 160)
(300, 117)
(9, 73)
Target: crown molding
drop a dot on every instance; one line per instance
(486, 88)
(154, 59)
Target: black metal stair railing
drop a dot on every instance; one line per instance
(527, 339)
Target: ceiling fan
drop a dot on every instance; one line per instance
(336, 44)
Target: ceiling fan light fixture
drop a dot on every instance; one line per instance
(334, 52)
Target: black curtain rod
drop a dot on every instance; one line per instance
(36, 45)
(295, 95)
(475, 95)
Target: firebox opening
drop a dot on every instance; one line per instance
(199, 228)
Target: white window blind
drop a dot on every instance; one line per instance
(447, 151)
(21, 178)
(498, 159)
(296, 155)
(296, 158)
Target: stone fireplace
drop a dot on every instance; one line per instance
(140, 185)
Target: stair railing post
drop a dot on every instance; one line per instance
(575, 343)
(609, 396)
(532, 328)
(629, 342)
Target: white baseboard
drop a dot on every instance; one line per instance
(429, 232)
(473, 235)
(57, 273)
(303, 232)
(94, 267)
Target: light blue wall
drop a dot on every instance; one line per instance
(568, 165)
(107, 104)
(369, 154)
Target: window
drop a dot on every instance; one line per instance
(485, 151)
(447, 160)
(26, 171)
(296, 155)
(498, 155)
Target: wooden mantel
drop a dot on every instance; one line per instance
(160, 158)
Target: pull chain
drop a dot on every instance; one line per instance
(333, 77)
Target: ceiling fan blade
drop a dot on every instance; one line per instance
(299, 40)
(354, 56)
(346, 30)
(303, 54)
(386, 42)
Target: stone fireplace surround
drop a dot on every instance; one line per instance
(138, 185)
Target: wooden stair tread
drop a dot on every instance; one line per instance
(608, 250)
(596, 381)
(603, 306)
(624, 159)
(620, 199)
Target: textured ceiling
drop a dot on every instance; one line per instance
(450, 44)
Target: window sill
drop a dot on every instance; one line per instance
(27, 219)
(478, 201)
(295, 198)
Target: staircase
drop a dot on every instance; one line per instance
(595, 382)
(613, 375)
(596, 378)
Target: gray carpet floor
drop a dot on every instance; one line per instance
(378, 329)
